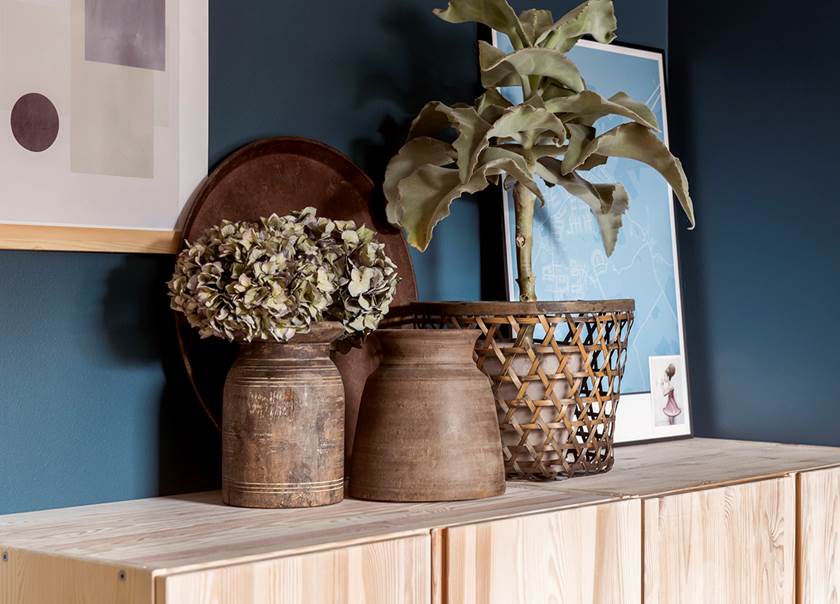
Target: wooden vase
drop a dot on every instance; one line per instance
(427, 428)
(283, 424)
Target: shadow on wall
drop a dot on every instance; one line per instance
(427, 51)
(189, 453)
(426, 54)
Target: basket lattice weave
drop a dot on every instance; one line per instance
(556, 370)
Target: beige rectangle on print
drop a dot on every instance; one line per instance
(113, 107)
(34, 42)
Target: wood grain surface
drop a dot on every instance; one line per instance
(170, 534)
(818, 537)
(733, 544)
(590, 555)
(685, 465)
(387, 572)
(191, 532)
(36, 578)
(87, 239)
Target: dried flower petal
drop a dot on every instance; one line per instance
(270, 280)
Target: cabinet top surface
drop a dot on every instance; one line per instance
(165, 534)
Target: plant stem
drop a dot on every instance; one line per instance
(524, 201)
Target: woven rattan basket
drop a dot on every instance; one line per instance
(556, 370)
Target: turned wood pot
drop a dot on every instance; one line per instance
(283, 424)
(427, 428)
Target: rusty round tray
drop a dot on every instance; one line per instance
(279, 175)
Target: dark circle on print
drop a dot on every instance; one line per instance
(34, 122)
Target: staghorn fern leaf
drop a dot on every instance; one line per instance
(551, 134)
(415, 153)
(535, 22)
(595, 18)
(471, 128)
(588, 107)
(634, 141)
(500, 69)
(495, 14)
(608, 202)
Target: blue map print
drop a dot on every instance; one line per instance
(569, 258)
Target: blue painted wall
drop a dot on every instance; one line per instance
(93, 404)
(753, 99)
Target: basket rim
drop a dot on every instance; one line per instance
(459, 308)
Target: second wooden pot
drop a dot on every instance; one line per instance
(427, 428)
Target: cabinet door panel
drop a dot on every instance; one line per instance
(387, 572)
(582, 555)
(819, 537)
(729, 544)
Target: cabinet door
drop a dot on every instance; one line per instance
(387, 572)
(731, 544)
(583, 555)
(819, 537)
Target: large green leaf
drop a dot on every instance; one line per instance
(579, 138)
(608, 202)
(587, 107)
(535, 22)
(594, 17)
(639, 143)
(495, 14)
(491, 105)
(431, 120)
(549, 91)
(471, 128)
(497, 160)
(426, 196)
(610, 223)
(414, 154)
(500, 69)
(535, 152)
(526, 125)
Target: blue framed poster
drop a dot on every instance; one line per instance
(570, 262)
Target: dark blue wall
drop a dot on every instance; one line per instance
(93, 405)
(753, 103)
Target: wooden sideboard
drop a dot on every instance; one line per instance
(685, 521)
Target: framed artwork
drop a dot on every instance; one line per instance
(570, 262)
(104, 121)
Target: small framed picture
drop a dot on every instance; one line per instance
(668, 396)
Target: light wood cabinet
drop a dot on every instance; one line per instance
(729, 544)
(590, 554)
(818, 537)
(387, 572)
(670, 524)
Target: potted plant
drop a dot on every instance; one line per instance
(550, 136)
(284, 289)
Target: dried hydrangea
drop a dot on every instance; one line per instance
(249, 281)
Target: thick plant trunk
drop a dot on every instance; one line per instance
(524, 201)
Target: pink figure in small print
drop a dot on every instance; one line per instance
(671, 409)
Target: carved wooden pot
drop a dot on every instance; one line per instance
(283, 424)
(427, 428)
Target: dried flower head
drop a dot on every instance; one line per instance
(249, 281)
